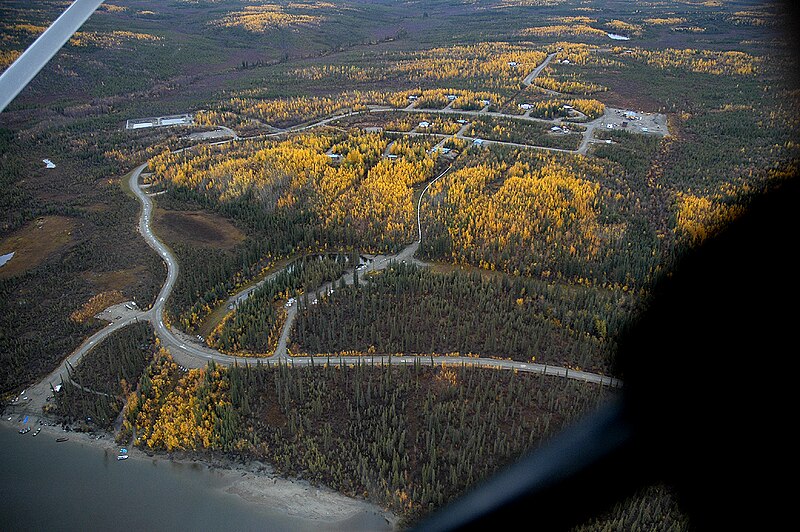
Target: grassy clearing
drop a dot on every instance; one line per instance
(197, 227)
(124, 279)
(35, 243)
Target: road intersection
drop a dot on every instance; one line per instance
(189, 351)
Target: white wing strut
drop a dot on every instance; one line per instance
(22, 71)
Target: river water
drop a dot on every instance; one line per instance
(75, 485)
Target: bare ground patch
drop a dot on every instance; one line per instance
(197, 227)
(626, 92)
(116, 280)
(35, 243)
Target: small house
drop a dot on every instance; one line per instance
(424, 124)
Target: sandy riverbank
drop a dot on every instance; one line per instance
(253, 482)
(256, 483)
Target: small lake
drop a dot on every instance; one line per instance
(5, 258)
(75, 485)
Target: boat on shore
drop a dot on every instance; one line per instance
(61, 439)
(122, 457)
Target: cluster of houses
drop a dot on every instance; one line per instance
(629, 116)
(440, 149)
(450, 98)
(560, 129)
(425, 124)
(568, 108)
(414, 97)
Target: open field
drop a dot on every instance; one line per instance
(124, 279)
(35, 243)
(198, 227)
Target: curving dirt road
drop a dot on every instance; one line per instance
(538, 70)
(189, 352)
